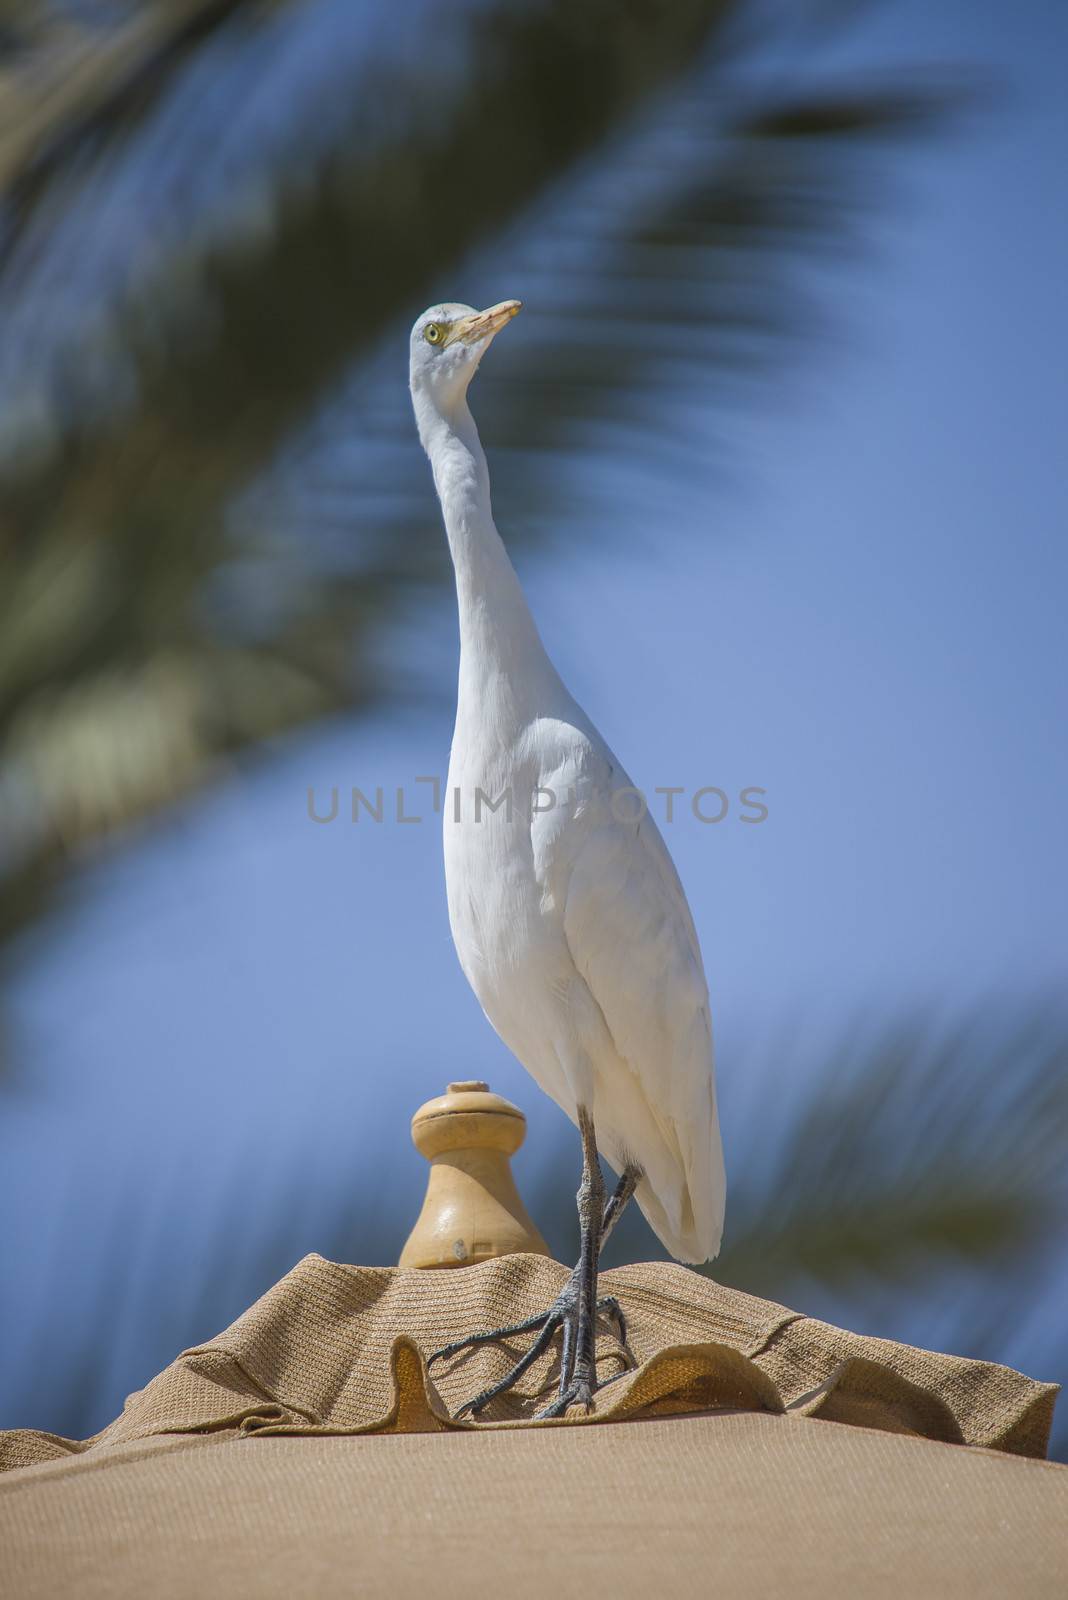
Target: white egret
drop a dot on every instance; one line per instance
(567, 913)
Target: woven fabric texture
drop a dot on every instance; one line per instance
(335, 1349)
(738, 1505)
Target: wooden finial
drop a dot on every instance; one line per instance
(472, 1209)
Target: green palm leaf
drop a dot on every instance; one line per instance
(139, 583)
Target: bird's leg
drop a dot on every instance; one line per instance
(565, 1312)
(618, 1199)
(578, 1372)
(617, 1202)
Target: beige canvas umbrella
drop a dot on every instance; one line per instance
(308, 1450)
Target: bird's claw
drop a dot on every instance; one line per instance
(575, 1390)
(492, 1337)
(579, 1392)
(611, 1305)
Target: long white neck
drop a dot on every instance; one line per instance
(501, 652)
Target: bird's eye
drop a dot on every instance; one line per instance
(433, 333)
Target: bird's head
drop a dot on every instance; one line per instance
(447, 344)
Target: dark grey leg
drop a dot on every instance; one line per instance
(579, 1386)
(617, 1204)
(574, 1311)
(569, 1339)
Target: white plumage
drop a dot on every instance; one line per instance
(568, 916)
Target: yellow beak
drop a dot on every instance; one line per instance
(482, 324)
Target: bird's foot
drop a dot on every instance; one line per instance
(576, 1387)
(579, 1392)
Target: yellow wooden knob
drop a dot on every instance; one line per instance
(472, 1209)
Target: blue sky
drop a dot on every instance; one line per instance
(867, 622)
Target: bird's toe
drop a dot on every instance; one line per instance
(577, 1395)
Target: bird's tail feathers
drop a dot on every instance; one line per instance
(690, 1238)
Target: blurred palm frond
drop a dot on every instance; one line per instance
(70, 73)
(200, 564)
(918, 1146)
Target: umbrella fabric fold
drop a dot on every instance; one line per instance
(341, 1350)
